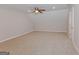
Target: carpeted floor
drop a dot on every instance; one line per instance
(39, 43)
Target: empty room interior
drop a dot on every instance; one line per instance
(39, 29)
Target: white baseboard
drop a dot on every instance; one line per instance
(49, 31)
(14, 36)
(18, 36)
(75, 46)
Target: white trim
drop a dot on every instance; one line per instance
(75, 46)
(15, 36)
(72, 35)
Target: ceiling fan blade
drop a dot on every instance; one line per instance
(42, 10)
(36, 8)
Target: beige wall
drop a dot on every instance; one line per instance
(51, 21)
(13, 23)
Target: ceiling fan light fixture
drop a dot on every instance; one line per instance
(36, 11)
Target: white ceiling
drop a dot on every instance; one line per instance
(27, 7)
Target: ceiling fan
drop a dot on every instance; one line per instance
(38, 10)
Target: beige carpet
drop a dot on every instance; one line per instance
(40, 43)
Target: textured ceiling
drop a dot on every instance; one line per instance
(27, 7)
